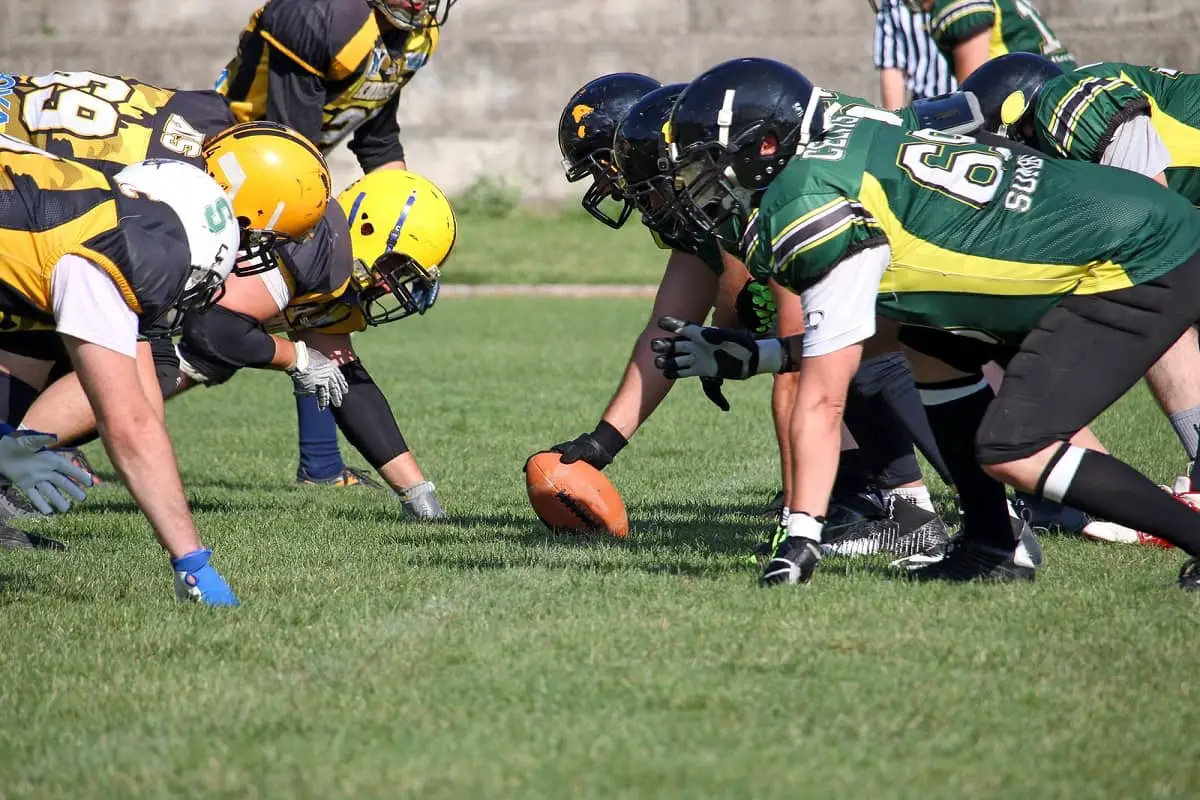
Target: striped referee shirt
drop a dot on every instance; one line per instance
(902, 42)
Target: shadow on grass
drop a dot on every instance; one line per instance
(15, 587)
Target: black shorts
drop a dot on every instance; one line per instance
(964, 353)
(1084, 354)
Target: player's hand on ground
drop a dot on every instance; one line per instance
(196, 581)
(699, 351)
(597, 448)
(47, 478)
(316, 374)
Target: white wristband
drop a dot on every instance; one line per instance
(799, 524)
(301, 357)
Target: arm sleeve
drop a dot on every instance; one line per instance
(1078, 118)
(888, 53)
(1136, 146)
(88, 306)
(811, 235)
(839, 310)
(959, 20)
(377, 141)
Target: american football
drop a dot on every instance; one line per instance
(574, 497)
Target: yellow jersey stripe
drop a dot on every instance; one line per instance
(271, 40)
(356, 50)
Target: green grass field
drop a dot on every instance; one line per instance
(374, 657)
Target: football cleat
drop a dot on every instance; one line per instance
(80, 460)
(1189, 575)
(1111, 532)
(793, 562)
(763, 550)
(907, 530)
(350, 476)
(16, 539)
(968, 560)
(15, 505)
(1043, 515)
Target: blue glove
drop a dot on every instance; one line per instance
(197, 581)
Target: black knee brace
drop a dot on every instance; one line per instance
(366, 420)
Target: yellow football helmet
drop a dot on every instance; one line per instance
(402, 230)
(277, 181)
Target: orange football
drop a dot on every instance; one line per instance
(574, 497)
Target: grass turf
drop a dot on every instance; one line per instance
(484, 657)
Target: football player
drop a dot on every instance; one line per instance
(380, 266)
(1072, 275)
(969, 32)
(1144, 119)
(610, 133)
(109, 122)
(333, 70)
(88, 257)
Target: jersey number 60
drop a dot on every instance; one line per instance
(956, 166)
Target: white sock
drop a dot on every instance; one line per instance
(784, 513)
(918, 496)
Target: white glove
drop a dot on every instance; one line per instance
(701, 351)
(41, 473)
(316, 374)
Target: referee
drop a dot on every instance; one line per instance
(907, 57)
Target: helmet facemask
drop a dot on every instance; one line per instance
(604, 194)
(394, 288)
(423, 14)
(259, 252)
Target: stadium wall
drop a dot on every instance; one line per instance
(489, 101)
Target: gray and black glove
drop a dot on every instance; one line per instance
(699, 351)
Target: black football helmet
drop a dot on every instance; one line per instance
(585, 137)
(732, 131)
(641, 159)
(1007, 88)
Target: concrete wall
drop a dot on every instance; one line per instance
(489, 102)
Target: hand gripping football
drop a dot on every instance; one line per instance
(574, 497)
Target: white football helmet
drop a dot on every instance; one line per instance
(203, 208)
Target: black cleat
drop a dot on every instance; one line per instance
(967, 560)
(16, 539)
(794, 562)
(1189, 575)
(908, 530)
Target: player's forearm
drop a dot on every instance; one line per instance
(971, 54)
(285, 354)
(148, 376)
(642, 388)
(138, 445)
(891, 85)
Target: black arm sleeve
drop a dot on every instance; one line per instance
(218, 342)
(366, 420)
(295, 96)
(377, 141)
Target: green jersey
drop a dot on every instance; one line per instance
(1078, 113)
(979, 238)
(1015, 25)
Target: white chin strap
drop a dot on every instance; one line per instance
(810, 109)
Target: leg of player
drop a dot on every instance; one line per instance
(688, 290)
(367, 421)
(1105, 342)
(1174, 380)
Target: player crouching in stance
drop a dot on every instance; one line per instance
(379, 262)
(610, 132)
(90, 258)
(1084, 276)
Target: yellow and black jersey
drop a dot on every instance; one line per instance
(328, 69)
(52, 207)
(317, 271)
(108, 122)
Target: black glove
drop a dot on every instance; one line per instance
(597, 448)
(712, 390)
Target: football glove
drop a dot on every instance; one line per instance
(597, 448)
(712, 390)
(197, 582)
(421, 502)
(699, 351)
(41, 474)
(316, 374)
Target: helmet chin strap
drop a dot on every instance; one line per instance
(810, 110)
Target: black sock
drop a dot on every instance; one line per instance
(955, 409)
(1110, 489)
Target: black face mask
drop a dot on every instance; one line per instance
(395, 288)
